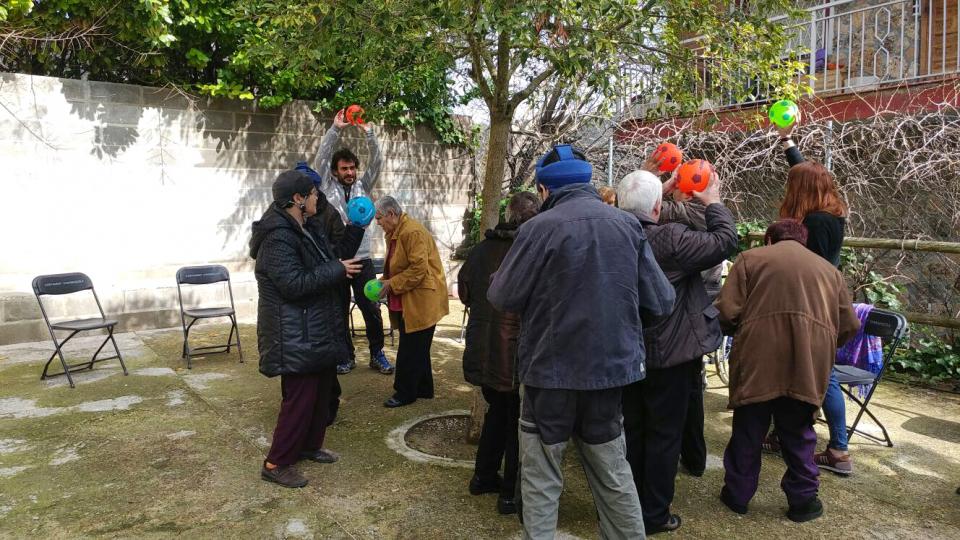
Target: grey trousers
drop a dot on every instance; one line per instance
(605, 464)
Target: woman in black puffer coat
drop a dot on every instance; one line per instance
(300, 324)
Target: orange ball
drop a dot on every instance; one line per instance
(668, 156)
(694, 175)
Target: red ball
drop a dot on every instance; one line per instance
(668, 156)
(694, 175)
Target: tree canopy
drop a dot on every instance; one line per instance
(411, 61)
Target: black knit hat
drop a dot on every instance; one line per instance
(288, 184)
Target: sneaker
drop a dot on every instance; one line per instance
(320, 456)
(841, 465)
(379, 361)
(673, 523)
(506, 505)
(479, 486)
(347, 367)
(285, 475)
(771, 444)
(806, 511)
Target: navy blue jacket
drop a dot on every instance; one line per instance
(582, 277)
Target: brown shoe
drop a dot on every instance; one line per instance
(841, 465)
(320, 456)
(285, 475)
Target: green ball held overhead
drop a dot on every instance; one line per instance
(372, 289)
(784, 113)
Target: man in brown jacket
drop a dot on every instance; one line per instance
(790, 310)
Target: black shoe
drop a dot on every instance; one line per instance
(506, 505)
(672, 524)
(478, 486)
(320, 456)
(695, 472)
(394, 402)
(806, 511)
(728, 500)
(285, 475)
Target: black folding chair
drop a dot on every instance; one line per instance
(463, 323)
(59, 284)
(206, 275)
(378, 270)
(890, 327)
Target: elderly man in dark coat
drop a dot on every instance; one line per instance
(490, 356)
(582, 278)
(655, 409)
(790, 310)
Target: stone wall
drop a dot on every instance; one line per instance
(128, 183)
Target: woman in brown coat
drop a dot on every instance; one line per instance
(416, 292)
(788, 310)
(489, 359)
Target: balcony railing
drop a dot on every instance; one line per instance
(847, 46)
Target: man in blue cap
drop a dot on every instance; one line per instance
(584, 281)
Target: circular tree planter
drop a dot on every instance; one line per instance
(421, 439)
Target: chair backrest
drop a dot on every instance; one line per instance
(202, 275)
(54, 284)
(378, 265)
(887, 325)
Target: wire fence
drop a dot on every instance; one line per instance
(899, 172)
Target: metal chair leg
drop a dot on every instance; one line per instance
(237, 328)
(117, 349)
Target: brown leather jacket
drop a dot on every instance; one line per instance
(491, 341)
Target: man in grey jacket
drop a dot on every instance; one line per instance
(584, 282)
(339, 184)
(655, 409)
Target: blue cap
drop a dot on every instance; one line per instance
(305, 169)
(563, 165)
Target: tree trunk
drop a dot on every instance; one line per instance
(478, 408)
(497, 146)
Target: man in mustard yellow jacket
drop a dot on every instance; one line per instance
(416, 292)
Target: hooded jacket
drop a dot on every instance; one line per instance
(584, 282)
(300, 323)
(489, 358)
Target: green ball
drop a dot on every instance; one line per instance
(784, 113)
(372, 289)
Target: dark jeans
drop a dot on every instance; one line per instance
(372, 318)
(499, 440)
(654, 414)
(304, 415)
(413, 377)
(798, 442)
(693, 447)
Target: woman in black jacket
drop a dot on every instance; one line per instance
(489, 358)
(300, 325)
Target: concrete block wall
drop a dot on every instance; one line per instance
(128, 183)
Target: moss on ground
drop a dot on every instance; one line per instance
(182, 458)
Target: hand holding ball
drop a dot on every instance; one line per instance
(354, 115)
(372, 290)
(784, 113)
(668, 157)
(694, 175)
(360, 211)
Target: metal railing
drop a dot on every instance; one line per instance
(847, 46)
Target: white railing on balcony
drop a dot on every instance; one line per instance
(847, 46)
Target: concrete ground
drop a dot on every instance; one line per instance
(168, 451)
